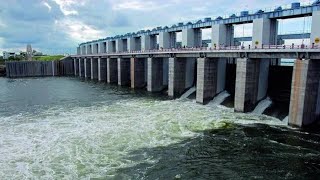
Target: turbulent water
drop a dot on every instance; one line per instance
(64, 128)
(220, 98)
(262, 106)
(188, 93)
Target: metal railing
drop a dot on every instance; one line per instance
(219, 48)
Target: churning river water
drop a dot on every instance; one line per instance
(65, 128)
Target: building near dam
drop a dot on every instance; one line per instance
(249, 72)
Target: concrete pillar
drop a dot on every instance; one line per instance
(177, 76)
(251, 83)
(87, 68)
(155, 80)
(102, 69)
(89, 49)
(81, 66)
(95, 48)
(76, 66)
(94, 68)
(121, 45)
(83, 49)
(264, 32)
(112, 70)
(103, 47)
(137, 66)
(222, 35)
(211, 77)
(305, 93)
(134, 44)
(123, 71)
(315, 31)
(148, 42)
(78, 51)
(191, 38)
(190, 72)
(111, 46)
(167, 40)
(131, 44)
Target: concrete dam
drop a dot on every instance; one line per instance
(250, 74)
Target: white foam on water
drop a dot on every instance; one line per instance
(188, 93)
(220, 98)
(262, 106)
(95, 141)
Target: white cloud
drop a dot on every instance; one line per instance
(47, 5)
(66, 6)
(79, 31)
(136, 5)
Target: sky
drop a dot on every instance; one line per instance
(59, 26)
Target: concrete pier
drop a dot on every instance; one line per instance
(305, 93)
(76, 66)
(134, 44)
(167, 40)
(181, 75)
(112, 70)
(251, 83)
(315, 31)
(95, 48)
(103, 47)
(157, 78)
(191, 37)
(81, 67)
(94, 68)
(211, 77)
(138, 72)
(148, 42)
(89, 49)
(264, 32)
(222, 35)
(121, 45)
(87, 68)
(111, 46)
(102, 69)
(123, 71)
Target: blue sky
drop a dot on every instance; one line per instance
(54, 26)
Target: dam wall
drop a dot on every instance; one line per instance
(19, 69)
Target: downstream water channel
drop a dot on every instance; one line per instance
(55, 128)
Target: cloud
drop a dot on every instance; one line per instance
(66, 6)
(78, 31)
(137, 5)
(47, 5)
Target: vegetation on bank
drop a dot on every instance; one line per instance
(48, 58)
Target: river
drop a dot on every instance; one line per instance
(65, 128)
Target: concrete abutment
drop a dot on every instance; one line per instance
(211, 78)
(123, 71)
(251, 83)
(305, 93)
(102, 69)
(181, 75)
(138, 72)
(112, 70)
(157, 76)
(94, 68)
